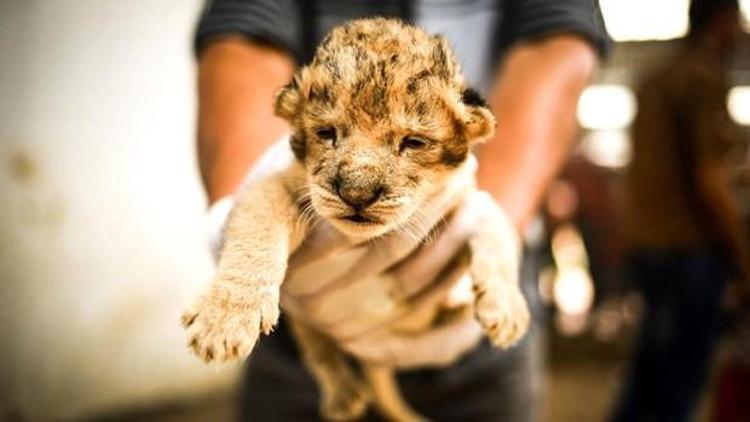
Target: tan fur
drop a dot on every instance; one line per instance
(381, 119)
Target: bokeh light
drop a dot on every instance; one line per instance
(738, 103)
(641, 20)
(606, 107)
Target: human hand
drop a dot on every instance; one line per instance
(380, 312)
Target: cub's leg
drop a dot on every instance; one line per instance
(242, 300)
(387, 396)
(499, 304)
(344, 395)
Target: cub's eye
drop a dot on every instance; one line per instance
(412, 142)
(326, 133)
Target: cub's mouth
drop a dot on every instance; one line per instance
(359, 218)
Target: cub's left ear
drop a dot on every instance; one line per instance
(479, 124)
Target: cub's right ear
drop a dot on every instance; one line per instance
(288, 100)
(479, 124)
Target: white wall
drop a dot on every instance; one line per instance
(101, 212)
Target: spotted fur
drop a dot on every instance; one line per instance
(376, 83)
(376, 76)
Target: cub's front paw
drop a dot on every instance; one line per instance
(503, 314)
(224, 326)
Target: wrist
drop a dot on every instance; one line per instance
(516, 212)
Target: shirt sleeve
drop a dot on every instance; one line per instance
(276, 22)
(531, 19)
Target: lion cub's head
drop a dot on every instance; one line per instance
(380, 118)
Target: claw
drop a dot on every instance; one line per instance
(221, 332)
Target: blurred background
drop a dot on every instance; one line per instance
(102, 223)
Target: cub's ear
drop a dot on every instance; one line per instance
(288, 100)
(479, 124)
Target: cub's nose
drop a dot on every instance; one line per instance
(357, 197)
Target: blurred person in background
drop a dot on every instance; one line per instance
(532, 58)
(684, 230)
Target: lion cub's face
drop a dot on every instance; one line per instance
(380, 119)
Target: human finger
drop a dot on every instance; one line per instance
(439, 346)
(377, 310)
(322, 240)
(421, 268)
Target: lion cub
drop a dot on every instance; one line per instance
(381, 120)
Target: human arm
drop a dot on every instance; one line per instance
(713, 190)
(713, 137)
(237, 80)
(534, 100)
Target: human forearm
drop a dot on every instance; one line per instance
(534, 100)
(237, 81)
